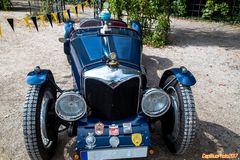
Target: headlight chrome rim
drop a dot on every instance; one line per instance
(74, 117)
(152, 91)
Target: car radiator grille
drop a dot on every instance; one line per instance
(112, 103)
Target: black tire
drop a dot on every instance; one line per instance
(32, 129)
(179, 134)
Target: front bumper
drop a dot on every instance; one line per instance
(126, 146)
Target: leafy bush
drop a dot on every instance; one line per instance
(215, 11)
(179, 7)
(46, 7)
(5, 4)
(152, 14)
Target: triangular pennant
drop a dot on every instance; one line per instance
(65, 14)
(79, 8)
(76, 10)
(59, 17)
(50, 19)
(73, 10)
(42, 20)
(87, 4)
(26, 20)
(11, 23)
(55, 17)
(69, 14)
(63, 19)
(34, 19)
(1, 32)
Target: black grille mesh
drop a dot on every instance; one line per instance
(112, 103)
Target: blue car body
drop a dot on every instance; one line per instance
(89, 49)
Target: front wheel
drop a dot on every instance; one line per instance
(39, 122)
(179, 123)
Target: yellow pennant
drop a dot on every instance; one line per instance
(1, 32)
(26, 20)
(73, 10)
(87, 4)
(42, 20)
(79, 8)
(55, 17)
(64, 14)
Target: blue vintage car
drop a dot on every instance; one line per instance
(110, 108)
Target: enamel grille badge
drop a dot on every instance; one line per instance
(127, 128)
(99, 128)
(113, 130)
(137, 139)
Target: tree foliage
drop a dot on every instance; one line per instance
(152, 14)
(5, 4)
(179, 7)
(215, 10)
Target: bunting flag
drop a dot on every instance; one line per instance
(87, 4)
(26, 20)
(42, 20)
(79, 8)
(1, 32)
(11, 23)
(65, 14)
(69, 14)
(34, 19)
(59, 17)
(76, 10)
(73, 10)
(55, 17)
(50, 19)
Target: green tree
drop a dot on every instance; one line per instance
(5, 4)
(152, 14)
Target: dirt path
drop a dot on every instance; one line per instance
(210, 50)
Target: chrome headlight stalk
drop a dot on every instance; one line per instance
(70, 106)
(155, 102)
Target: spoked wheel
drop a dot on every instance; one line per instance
(40, 128)
(179, 123)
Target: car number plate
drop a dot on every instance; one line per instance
(118, 153)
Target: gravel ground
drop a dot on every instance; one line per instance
(210, 50)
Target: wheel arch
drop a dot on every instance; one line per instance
(182, 75)
(38, 78)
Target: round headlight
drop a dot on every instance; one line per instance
(70, 106)
(155, 102)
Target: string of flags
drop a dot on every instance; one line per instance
(58, 18)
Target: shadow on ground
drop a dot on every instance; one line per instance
(153, 64)
(211, 138)
(193, 37)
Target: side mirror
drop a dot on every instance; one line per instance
(63, 40)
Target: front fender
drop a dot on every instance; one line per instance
(183, 76)
(34, 78)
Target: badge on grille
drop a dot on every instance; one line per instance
(113, 130)
(127, 128)
(137, 139)
(99, 128)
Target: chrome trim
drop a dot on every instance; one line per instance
(113, 77)
(175, 104)
(43, 118)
